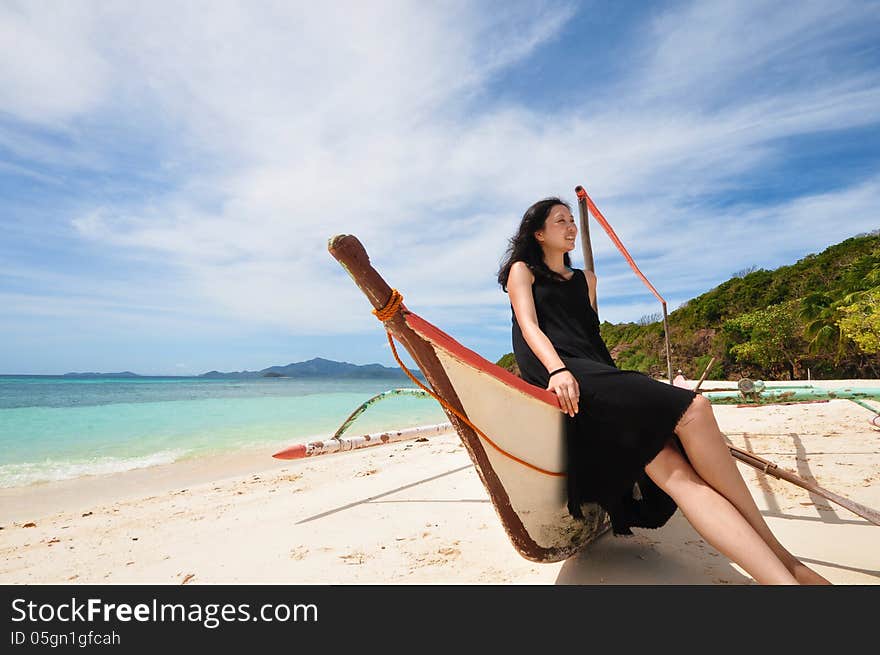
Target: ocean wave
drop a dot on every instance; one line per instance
(27, 473)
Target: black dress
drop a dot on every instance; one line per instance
(624, 419)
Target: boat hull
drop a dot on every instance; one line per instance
(522, 420)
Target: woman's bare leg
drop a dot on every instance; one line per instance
(715, 518)
(711, 459)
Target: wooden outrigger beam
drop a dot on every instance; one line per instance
(770, 468)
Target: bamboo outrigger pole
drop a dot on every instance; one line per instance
(705, 373)
(770, 468)
(344, 444)
(586, 205)
(418, 393)
(338, 444)
(782, 395)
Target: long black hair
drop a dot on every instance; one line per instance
(523, 247)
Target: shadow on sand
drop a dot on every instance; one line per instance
(672, 555)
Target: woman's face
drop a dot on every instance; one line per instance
(559, 231)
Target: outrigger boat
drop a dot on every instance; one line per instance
(513, 431)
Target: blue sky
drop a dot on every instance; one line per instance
(170, 174)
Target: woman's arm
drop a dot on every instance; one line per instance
(519, 288)
(591, 283)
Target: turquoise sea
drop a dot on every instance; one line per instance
(54, 428)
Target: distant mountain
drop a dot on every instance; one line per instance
(232, 374)
(124, 374)
(318, 367)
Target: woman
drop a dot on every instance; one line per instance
(639, 447)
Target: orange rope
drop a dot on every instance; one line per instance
(388, 312)
(391, 307)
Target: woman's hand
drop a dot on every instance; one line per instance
(565, 386)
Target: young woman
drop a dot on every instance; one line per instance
(639, 447)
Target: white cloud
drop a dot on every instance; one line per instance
(290, 124)
(50, 70)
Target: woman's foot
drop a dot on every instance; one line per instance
(805, 575)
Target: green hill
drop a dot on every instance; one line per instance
(821, 314)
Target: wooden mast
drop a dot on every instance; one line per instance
(586, 244)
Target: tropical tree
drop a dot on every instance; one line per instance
(860, 319)
(821, 315)
(772, 337)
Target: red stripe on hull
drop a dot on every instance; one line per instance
(438, 336)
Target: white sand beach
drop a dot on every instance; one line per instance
(416, 513)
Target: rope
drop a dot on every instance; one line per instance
(391, 307)
(386, 313)
(582, 194)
